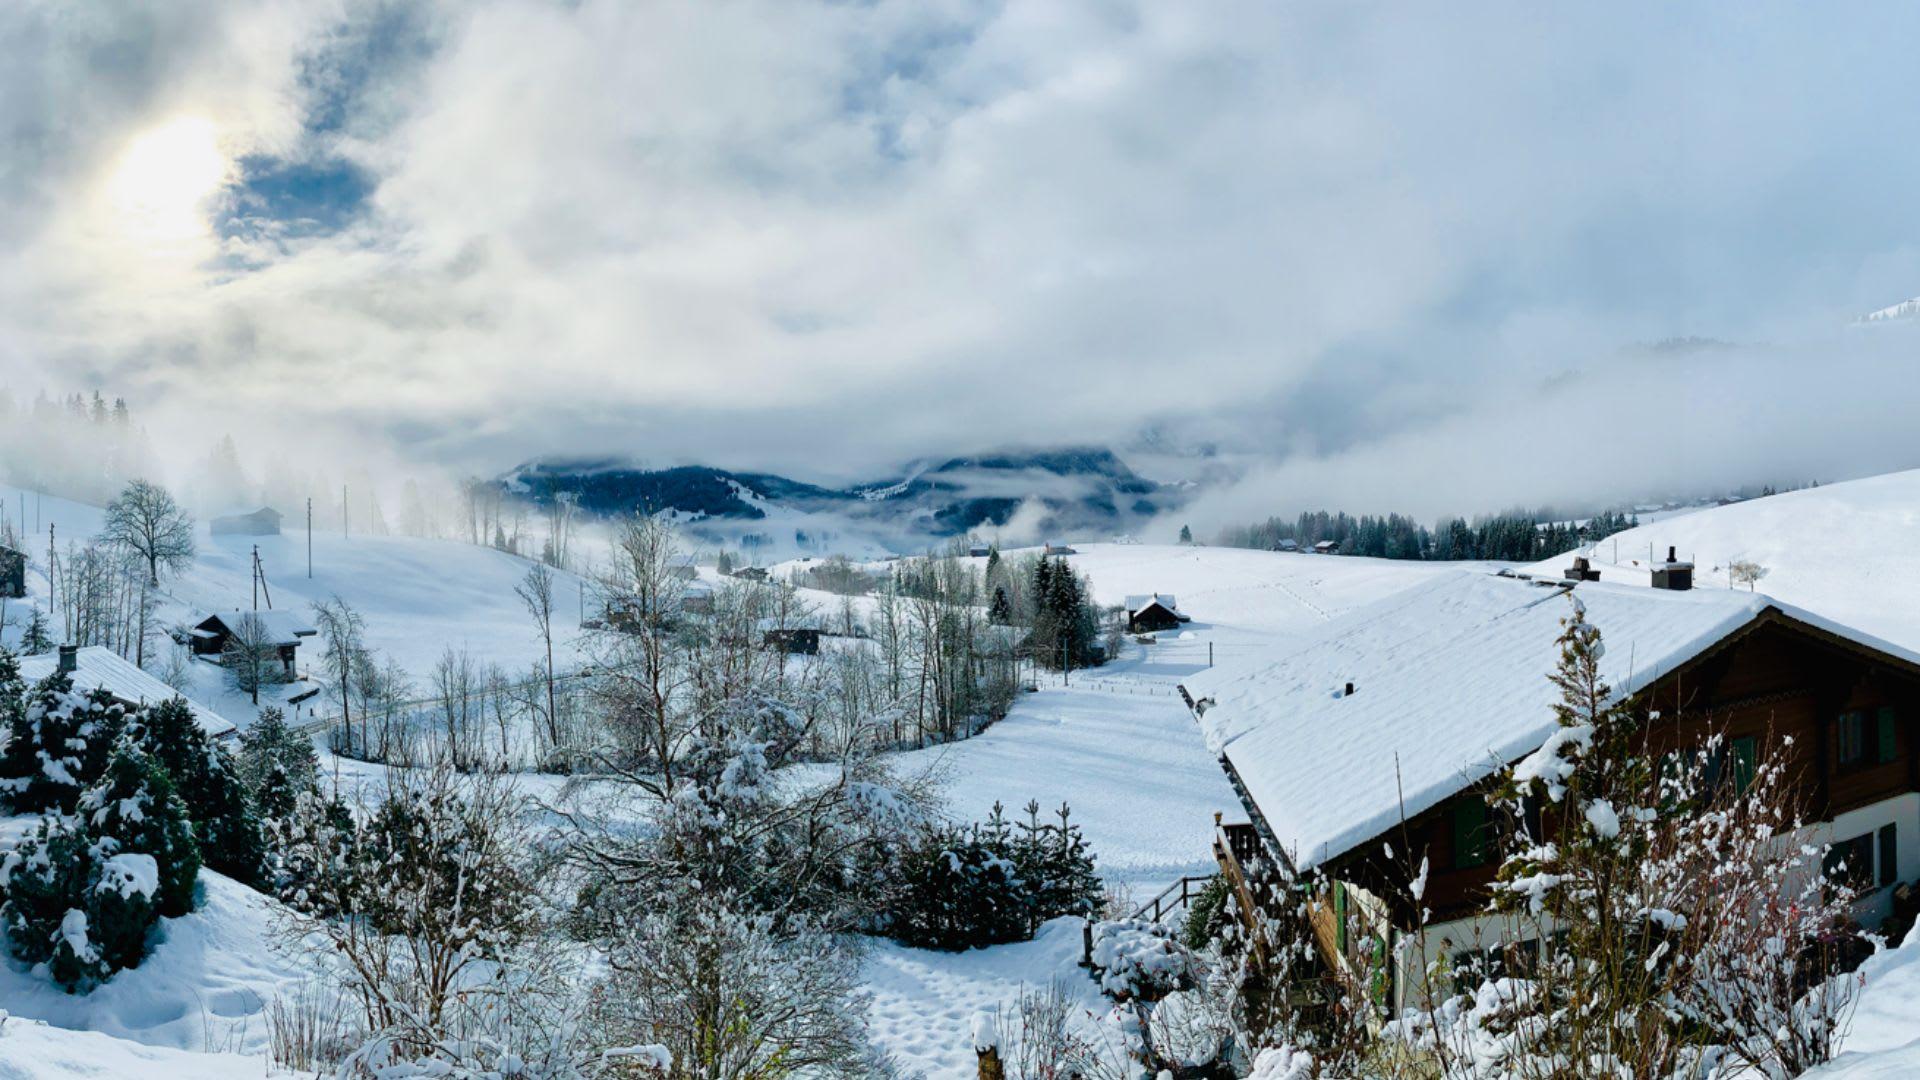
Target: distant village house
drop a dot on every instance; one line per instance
(262, 522)
(1153, 613)
(279, 630)
(1327, 547)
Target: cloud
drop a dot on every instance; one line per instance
(823, 238)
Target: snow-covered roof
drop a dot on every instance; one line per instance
(1140, 600)
(279, 627)
(1450, 683)
(100, 668)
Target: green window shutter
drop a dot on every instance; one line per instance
(1888, 736)
(1469, 832)
(1746, 757)
(1340, 916)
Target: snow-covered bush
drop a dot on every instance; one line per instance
(204, 774)
(993, 882)
(58, 741)
(83, 891)
(735, 996)
(1139, 960)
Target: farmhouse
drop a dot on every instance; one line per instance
(979, 551)
(1152, 613)
(262, 522)
(684, 567)
(13, 573)
(1059, 549)
(96, 667)
(1412, 705)
(281, 630)
(750, 573)
(1327, 547)
(1286, 544)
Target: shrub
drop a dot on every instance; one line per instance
(993, 882)
(134, 808)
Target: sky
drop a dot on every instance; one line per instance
(1435, 258)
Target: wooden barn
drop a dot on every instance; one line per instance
(750, 573)
(1390, 725)
(280, 630)
(1327, 547)
(1152, 613)
(262, 522)
(13, 573)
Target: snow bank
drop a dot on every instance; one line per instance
(32, 1050)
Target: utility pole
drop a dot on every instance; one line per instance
(256, 577)
(309, 538)
(346, 516)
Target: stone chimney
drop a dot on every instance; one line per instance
(69, 659)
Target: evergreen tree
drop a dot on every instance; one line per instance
(224, 822)
(1186, 534)
(277, 764)
(57, 744)
(36, 638)
(1000, 610)
(48, 880)
(135, 809)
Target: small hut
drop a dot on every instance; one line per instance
(1152, 613)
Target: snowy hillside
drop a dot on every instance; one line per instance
(1844, 550)
(418, 597)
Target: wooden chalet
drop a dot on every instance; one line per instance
(262, 522)
(282, 631)
(13, 573)
(1327, 547)
(1153, 612)
(1389, 726)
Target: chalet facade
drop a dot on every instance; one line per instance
(1327, 547)
(96, 667)
(262, 522)
(13, 573)
(1153, 613)
(282, 631)
(1389, 727)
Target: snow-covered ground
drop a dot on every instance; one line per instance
(1845, 551)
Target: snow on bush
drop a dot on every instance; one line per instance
(1139, 960)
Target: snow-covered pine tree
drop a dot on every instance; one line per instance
(1000, 610)
(134, 809)
(276, 764)
(38, 636)
(225, 823)
(57, 744)
(46, 881)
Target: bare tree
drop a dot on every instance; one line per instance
(536, 592)
(252, 656)
(345, 657)
(1746, 573)
(145, 520)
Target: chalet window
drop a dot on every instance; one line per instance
(1887, 745)
(1469, 832)
(1850, 862)
(1745, 754)
(1850, 736)
(1889, 855)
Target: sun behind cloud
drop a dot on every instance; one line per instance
(161, 183)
